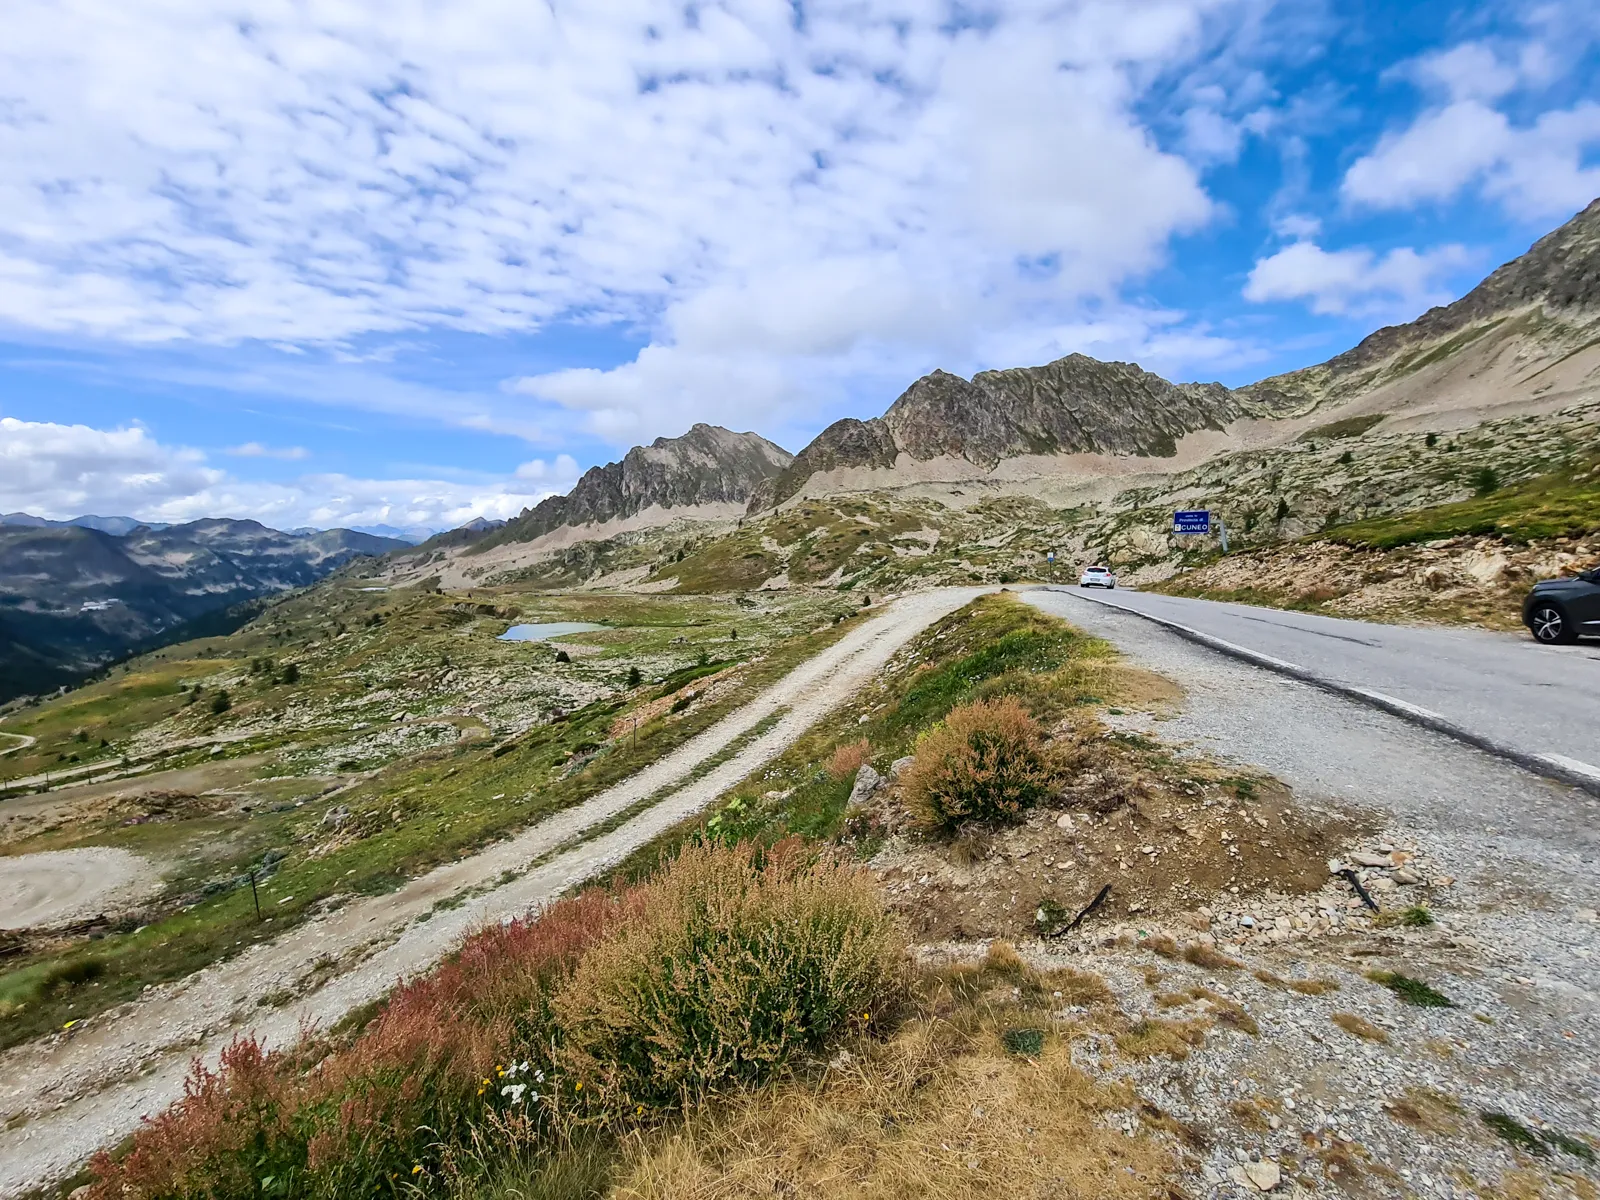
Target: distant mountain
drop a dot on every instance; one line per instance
(1076, 404)
(707, 467)
(73, 597)
(115, 526)
(1543, 307)
(459, 538)
(1525, 340)
(410, 534)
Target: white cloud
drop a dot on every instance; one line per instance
(1536, 169)
(1356, 280)
(765, 196)
(257, 450)
(63, 471)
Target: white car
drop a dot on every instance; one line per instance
(1097, 577)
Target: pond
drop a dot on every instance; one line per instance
(546, 631)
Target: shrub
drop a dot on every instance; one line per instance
(221, 702)
(740, 961)
(846, 760)
(984, 762)
(1485, 480)
(404, 1094)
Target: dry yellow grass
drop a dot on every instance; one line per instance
(1306, 987)
(1359, 1027)
(934, 1112)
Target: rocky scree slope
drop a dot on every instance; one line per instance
(1554, 289)
(708, 465)
(73, 598)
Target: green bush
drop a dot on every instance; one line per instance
(985, 762)
(741, 961)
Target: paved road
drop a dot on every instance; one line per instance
(1538, 700)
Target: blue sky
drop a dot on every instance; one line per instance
(408, 263)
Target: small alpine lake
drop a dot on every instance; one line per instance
(544, 632)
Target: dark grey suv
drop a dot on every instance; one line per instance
(1558, 610)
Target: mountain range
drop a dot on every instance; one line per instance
(73, 597)
(1525, 341)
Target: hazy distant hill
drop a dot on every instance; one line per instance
(115, 526)
(73, 597)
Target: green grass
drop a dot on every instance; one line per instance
(1412, 991)
(994, 646)
(1560, 503)
(1536, 1141)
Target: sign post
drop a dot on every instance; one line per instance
(1200, 520)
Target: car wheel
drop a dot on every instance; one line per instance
(1550, 626)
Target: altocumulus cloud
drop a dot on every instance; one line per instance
(773, 193)
(63, 471)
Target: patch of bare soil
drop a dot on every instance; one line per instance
(60, 885)
(1166, 836)
(139, 807)
(1460, 581)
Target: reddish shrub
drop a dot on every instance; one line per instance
(338, 1122)
(984, 762)
(846, 760)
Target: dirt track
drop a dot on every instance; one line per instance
(58, 885)
(74, 1095)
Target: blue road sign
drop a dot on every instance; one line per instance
(1197, 520)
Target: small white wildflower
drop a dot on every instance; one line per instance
(538, 1076)
(514, 1090)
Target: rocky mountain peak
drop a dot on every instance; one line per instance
(1076, 404)
(705, 466)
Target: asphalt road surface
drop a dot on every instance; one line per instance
(1539, 700)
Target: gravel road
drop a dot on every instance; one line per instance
(21, 741)
(1517, 935)
(64, 1097)
(1539, 700)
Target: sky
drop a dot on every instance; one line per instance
(412, 262)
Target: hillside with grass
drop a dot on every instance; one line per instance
(345, 741)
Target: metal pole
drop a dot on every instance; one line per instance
(253, 895)
(1223, 528)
